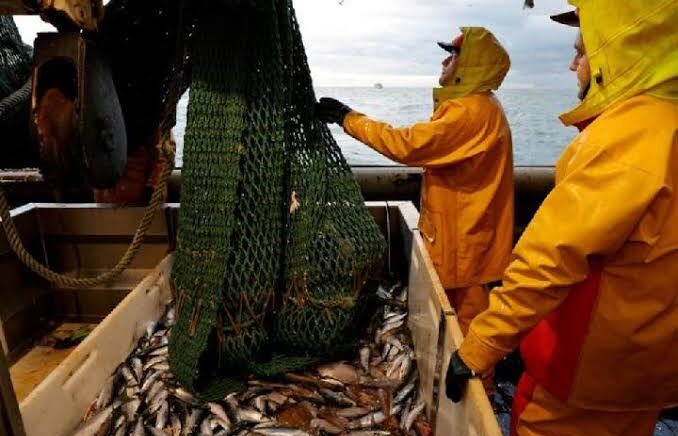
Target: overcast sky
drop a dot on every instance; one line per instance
(361, 42)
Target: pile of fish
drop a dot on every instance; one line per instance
(376, 394)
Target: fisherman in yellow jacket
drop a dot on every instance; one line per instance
(591, 294)
(467, 189)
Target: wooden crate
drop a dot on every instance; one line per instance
(56, 405)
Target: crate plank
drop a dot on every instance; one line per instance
(54, 408)
(427, 305)
(473, 416)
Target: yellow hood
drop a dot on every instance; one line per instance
(482, 66)
(632, 48)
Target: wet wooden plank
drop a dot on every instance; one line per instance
(29, 371)
(427, 306)
(473, 416)
(11, 423)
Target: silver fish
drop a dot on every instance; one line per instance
(395, 365)
(279, 431)
(412, 415)
(129, 376)
(365, 358)
(337, 398)
(150, 379)
(403, 393)
(130, 408)
(96, 422)
(385, 351)
(191, 421)
(260, 403)
(106, 394)
(138, 369)
(150, 328)
(139, 428)
(154, 361)
(155, 432)
(326, 426)
(156, 387)
(206, 428)
(395, 351)
(121, 430)
(249, 415)
(404, 370)
(369, 433)
(161, 417)
(185, 396)
(353, 412)
(402, 296)
(162, 350)
(220, 413)
(383, 293)
(156, 402)
(175, 425)
(372, 419)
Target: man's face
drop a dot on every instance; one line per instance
(448, 69)
(580, 66)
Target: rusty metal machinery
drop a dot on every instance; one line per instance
(64, 14)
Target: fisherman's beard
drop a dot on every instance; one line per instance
(584, 91)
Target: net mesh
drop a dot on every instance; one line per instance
(15, 58)
(274, 239)
(15, 70)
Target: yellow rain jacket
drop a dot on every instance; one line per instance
(465, 149)
(592, 289)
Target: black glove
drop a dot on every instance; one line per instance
(457, 378)
(329, 110)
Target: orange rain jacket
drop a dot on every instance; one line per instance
(465, 150)
(592, 288)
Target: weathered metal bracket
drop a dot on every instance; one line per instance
(82, 14)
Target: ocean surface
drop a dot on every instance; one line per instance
(538, 135)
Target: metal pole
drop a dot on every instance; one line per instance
(11, 423)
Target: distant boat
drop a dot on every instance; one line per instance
(378, 85)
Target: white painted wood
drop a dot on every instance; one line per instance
(473, 416)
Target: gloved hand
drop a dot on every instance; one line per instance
(330, 110)
(458, 375)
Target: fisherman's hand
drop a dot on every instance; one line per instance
(458, 375)
(329, 110)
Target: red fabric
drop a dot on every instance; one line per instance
(521, 398)
(584, 124)
(551, 350)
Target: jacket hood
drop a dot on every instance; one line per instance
(482, 66)
(632, 47)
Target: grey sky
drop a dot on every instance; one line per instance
(393, 41)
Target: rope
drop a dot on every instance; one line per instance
(72, 282)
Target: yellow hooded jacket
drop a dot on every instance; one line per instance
(592, 288)
(465, 149)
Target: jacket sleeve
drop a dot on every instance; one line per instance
(450, 139)
(591, 212)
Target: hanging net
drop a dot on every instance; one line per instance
(15, 58)
(274, 239)
(15, 71)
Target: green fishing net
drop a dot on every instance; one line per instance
(15, 58)
(274, 240)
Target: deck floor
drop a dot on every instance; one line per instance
(29, 371)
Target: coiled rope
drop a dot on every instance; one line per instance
(10, 103)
